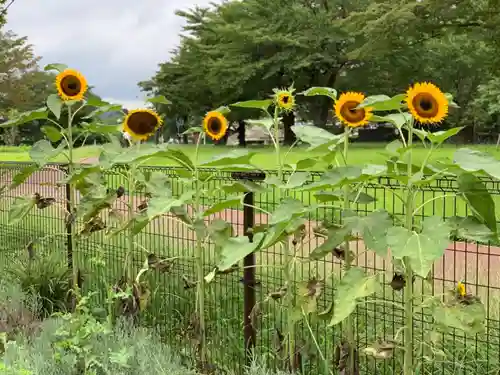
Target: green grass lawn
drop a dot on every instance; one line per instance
(360, 153)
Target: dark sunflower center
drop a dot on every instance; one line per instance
(425, 105)
(214, 125)
(71, 86)
(351, 114)
(142, 123)
(285, 99)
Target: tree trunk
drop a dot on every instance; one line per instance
(242, 133)
(288, 122)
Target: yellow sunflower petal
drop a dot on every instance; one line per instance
(346, 112)
(427, 103)
(71, 85)
(140, 124)
(215, 125)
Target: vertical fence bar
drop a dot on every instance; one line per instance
(69, 224)
(249, 282)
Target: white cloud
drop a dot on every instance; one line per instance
(114, 43)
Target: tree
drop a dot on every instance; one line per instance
(23, 86)
(241, 50)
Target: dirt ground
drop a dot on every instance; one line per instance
(477, 265)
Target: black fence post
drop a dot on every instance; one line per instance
(249, 281)
(69, 223)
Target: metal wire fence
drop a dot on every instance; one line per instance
(173, 302)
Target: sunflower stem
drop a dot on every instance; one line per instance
(287, 270)
(72, 206)
(200, 290)
(349, 325)
(130, 235)
(408, 289)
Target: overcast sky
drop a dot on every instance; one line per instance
(115, 44)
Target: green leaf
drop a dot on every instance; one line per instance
(38, 114)
(470, 228)
(288, 209)
(266, 122)
(257, 104)
(19, 209)
(336, 236)
(383, 102)
(316, 137)
(159, 99)
(398, 119)
(297, 179)
(54, 103)
(219, 231)
(441, 136)
(323, 91)
(373, 227)
(55, 66)
(230, 202)
(475, 193)
(474, 161)
(42, 152)
(23, 175)
(104, 109)
(303, 164)
(237, 248)
(194, 129)
(451, 103)
(224, 110)
(95, 101)
(355, 284)
(467, 318)
(52, 133)
(98, 128)
(233, 157)
(162, 205)
(337, 195)
(422, 249)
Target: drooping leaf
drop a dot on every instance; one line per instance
(159, 99)
(266, 122)
(335, 237)
(288, 209)
(237, 248)
(229, 202)
(383, 102)
(422, 249)
(23, 175)
(441, 136)
(470, 228)
(224, 110)
(475, 193)
(99, 111)
(257, 104)
(162, 205)
(398, 119)
(52, 133)
(323, 91)
(337, 195)
(234, 157)
(243, 187)
(467, 318)
(303, 164)
(474, 161)
(54, 103)
(316, 136)
(23, 118)
(42, 152)
(219, 231)
(373, 227)
(20, 208)
(297, 179)
(354, 285)
(55, 66)
(451, 103)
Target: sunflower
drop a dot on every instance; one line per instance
(461, 289)
(215, 125)
(141, 123)
(427, 103)
(346, 111)
(285, 100)
(71, 85)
